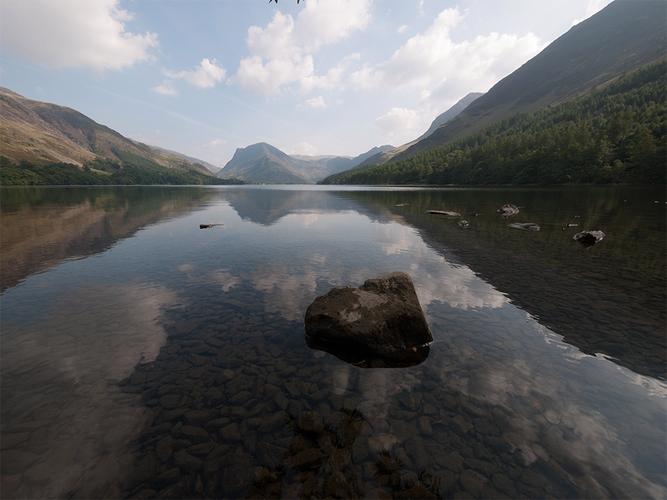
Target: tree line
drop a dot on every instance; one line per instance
(614, 134)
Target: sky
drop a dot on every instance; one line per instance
(204, 77)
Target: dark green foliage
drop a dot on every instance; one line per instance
(101, 172)
(616, 134)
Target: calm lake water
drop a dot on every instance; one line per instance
(142, 356)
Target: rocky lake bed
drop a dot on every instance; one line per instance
(173, 363)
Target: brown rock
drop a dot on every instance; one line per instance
(381, 319)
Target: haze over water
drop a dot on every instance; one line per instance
(142, 355)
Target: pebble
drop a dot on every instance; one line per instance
(231, 432)
(472, 481)
(193, 433)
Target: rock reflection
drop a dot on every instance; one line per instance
(367, 359)
(229, 402)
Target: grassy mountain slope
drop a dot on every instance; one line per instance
(615, 134)
(625, 35)
(43, 143)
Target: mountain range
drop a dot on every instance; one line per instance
(384, 156)
(593, 98)
(263, 163)
(623, 36)
(566, 103)
(38, 135)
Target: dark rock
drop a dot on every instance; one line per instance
(404, 479)
(508, 210)
(417, 491)
(170, 476)
(305, 459)
(310, 422)
(208, 226)
(186, 461)
(525, 226)
(453, 461)
(201, 449)
(443, 483)
(164, 448)
(448, 213)
(199, 417)
(472, 481)
(589, 238)
(217, 422)
(503, 484)
(170, 401)
(193, 433)
(231, 432)
(380, 323)
(425, 425)
(143, 470)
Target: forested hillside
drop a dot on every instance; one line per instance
(612, 134)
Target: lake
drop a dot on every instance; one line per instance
(143, 356)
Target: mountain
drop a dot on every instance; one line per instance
(263, 163)
(614, 134)
(43, 137)
(623, 36)
(212, 169)
(387, 154)
(451, 113)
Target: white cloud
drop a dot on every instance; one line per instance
(165, 88)
(281, 53)
(402, 29)
(208, 74)
(400, 124)
(216, 143)
(73, 33)
(316, 102)
(432, 59)
(304, 148)
(592, 7)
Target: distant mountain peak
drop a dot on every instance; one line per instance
(263, 163)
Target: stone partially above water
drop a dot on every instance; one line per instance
(378, 324)
(589, 238)
(508, 210)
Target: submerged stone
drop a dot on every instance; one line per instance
(448, 213)
(378, 324)
(525, 226)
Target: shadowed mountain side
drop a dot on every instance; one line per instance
(620, 274)
(39, 227)
(625, 35)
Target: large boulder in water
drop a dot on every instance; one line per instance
(381, 323)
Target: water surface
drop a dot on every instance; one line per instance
(143, 356)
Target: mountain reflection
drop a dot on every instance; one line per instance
(580, 294)
(221, 396)
(40, 227)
